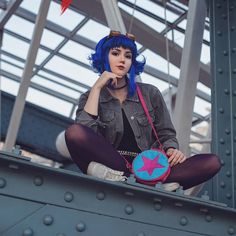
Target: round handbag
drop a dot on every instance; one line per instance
(151, 166)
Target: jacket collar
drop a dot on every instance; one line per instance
(105, 96)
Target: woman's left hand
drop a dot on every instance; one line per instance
(175, 156)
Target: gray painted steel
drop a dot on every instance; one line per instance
(38, 200)
(223, 49)
(189, 74)
(26, 77)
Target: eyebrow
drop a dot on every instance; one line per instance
(117, 49)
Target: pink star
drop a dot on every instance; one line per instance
(150, 165)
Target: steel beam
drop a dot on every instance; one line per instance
(113, 16)
(223, 61)
(43, 197)
(189, 73)
(11, 8)
(20, 99)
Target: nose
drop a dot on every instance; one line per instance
(122, 58)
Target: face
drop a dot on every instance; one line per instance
(120, 60)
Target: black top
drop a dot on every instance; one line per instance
(128, 142)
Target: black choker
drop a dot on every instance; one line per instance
(115, 88)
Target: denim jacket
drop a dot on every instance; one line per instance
(110, 122)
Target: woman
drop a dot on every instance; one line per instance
(110, 120)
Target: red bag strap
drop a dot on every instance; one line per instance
(148, 115)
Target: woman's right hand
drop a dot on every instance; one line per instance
(104, 79)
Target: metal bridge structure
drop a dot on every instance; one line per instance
(57, 199)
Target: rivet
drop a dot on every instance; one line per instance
(227, 131)
(100, 196)
(218, 5)
(222, 162)
(132, 117)
(226, 91)
(234, 71)
(204, 210)
(221, 110)
(129, 209)
(234, 115)
(228, 173)
(178, 204)
(231, 230)
(129, 194)
(224, 16)
(157, 206)
(220, 71)
(205, 196)
(68, 197)
(227, 152)
(48, 220)
(231, 8)
(219, 33)
(222, 141)
(234, 138)
(28, 232)
(38, 180)
(80, 227)
(225, 53)
(222, 184)
(229, 195)
(208, 218)
(183, 221)
(233, 50)
(3, 183)
(232, 28)
(141, 234)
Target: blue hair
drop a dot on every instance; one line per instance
(100, 63)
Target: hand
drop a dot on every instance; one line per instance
(175, 156)
(104, 79)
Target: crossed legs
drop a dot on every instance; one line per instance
(86, 146)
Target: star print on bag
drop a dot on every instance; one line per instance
(150, 165)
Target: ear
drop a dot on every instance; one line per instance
(64, 5)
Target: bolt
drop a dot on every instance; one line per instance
(222, 141)
(183, 220)
(157, 206)
(208, 218)
(227, 131)
(226, 91)
(221, 110)
(228, 173)
(227, 152)
(3, 183)
(222, 184)
(228, 195)
(129, 209)
(80, 227)
(38, 180)
(225, 53)
(68, 197)
(231, 230)
(28, 232)
(220, 71)
(48, 220)
(100, 196)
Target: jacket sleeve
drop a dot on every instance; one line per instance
(162, 122)
(83, 118)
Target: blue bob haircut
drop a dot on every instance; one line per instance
(100, 63)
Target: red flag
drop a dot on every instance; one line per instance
(64, 5)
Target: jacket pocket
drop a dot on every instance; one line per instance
(108, 125)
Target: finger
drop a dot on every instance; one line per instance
(173, 155)
(183, 159)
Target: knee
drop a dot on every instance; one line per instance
(73, 134)
(213, 163)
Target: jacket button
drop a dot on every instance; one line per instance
(132, 117)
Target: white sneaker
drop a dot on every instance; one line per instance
(171, 186)
(103, 172)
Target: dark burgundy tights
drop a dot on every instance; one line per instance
(85, 146)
